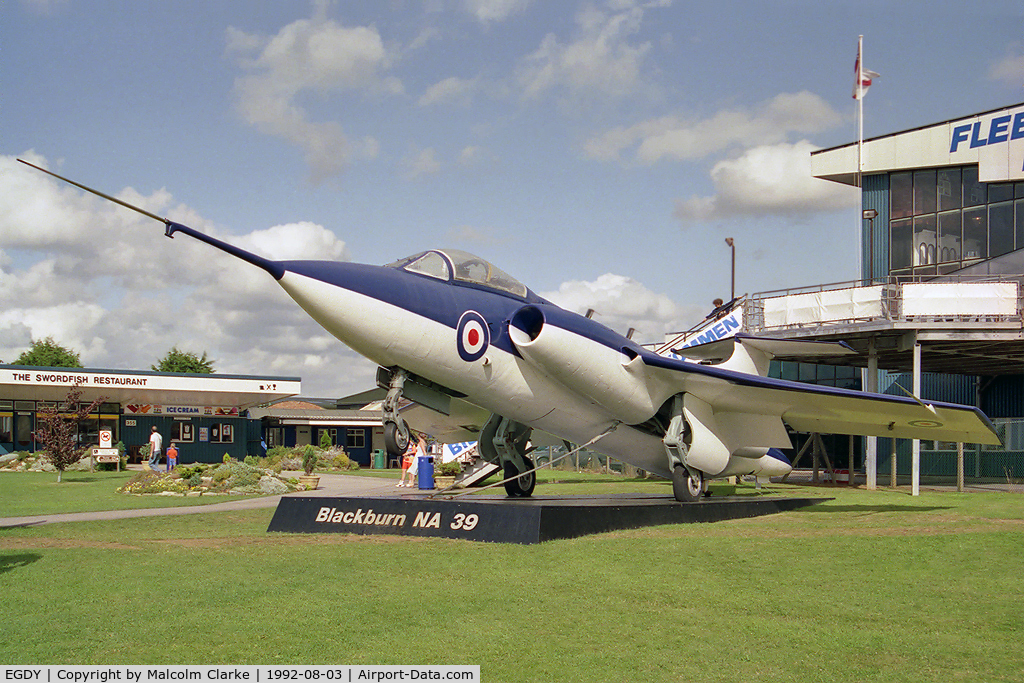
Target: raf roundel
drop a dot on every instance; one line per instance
(473, 336)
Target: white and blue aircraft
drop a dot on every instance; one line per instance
(496, 362)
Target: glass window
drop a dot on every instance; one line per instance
(221, 433)
(847, 372)
(1000, 229)
(1018, 190)
(469, 268)
(183, 431)
(924, 240)
(275, 436)
(950, 189)
(7, 431)
(975, 233)
(1000, 192)
(924, 192)
(949, 237)
(974, 192)
(1019, 243)
(901, 197)
(430, 264)
(901, 244)
(790, 370)
(355, 438)
(807, 372)
(23, 425)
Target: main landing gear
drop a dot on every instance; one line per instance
(688, 483)
(504, 442)
(396, 432)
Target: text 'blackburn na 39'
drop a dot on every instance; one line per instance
(495, 362)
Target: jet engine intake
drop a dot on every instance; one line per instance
(582, 356)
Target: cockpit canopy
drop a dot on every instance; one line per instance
(453, 264)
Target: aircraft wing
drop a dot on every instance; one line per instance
(462, 423)
(815, 408)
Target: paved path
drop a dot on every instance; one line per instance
(330, 485)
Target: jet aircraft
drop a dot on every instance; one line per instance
(495, 362)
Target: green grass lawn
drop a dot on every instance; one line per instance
(39, 493)
(872, 586)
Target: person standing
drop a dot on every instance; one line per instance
(156, 443)
(172, 456)
(421, 449)
(407, 458)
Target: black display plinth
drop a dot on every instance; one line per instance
(512, 520)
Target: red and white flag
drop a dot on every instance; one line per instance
(861, 77)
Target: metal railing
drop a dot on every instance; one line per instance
(890, 301)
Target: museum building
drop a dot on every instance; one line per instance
(205, 414)
(942, 276)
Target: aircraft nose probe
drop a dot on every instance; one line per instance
(272, 267)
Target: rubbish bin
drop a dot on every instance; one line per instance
(425, 472)
(378, 459)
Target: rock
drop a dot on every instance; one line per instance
(272, 485)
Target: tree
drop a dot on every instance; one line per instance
(49, 354)
(58, 429)
(184, 361)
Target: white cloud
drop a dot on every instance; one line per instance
(450, 90)
(1009, 69)
(421, 163)
(771, 179)
(316, 56)
(106, 283)
(672, 137)
(603, 60)
(621, 302)
(495, 10)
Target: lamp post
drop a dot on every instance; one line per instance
(732, 289)
(871, 214)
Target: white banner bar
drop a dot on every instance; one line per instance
(248, 674)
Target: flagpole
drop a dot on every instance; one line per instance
(859, 90)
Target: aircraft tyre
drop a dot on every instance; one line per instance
(520, 487)
(687, 485)
(396, 440)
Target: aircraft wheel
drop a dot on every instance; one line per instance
(520, 487)
(687, 485)
(396, 440)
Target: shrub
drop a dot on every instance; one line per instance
(309, 460)
(448, 469)
(325, 441)
(291, 463)
(277, 453)
(151, 482)
(341, 461)
(252, 461)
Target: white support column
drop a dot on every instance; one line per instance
(915, 456)
(871, 449)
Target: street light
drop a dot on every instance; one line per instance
(732, 290)
(870, 215)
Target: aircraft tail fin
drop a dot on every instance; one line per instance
(747, 353)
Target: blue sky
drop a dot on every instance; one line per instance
(599, 151)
